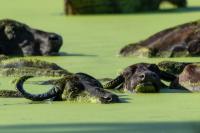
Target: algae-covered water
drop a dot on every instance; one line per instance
(91, 44)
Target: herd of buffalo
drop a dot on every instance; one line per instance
(18, 39)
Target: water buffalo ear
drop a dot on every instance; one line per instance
(9, 32)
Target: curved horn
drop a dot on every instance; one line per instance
(36, 97)
(114, 83)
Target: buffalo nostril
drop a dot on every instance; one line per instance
(153, 75)
(108, 99)
(54, 38)
(142, 76)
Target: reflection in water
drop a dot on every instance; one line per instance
(75, 54)
(145, 127)
(26, 103)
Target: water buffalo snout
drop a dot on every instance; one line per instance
(55, 43)
(54, 37)
(146, 76)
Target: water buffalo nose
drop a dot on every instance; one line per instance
(154, 75)
(111, 98)
(148, 76)
(108, 99)
(54, 38)
(142, 76)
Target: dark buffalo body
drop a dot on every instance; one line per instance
(182, 40)
(19, 39)
(142, 77)
(115, 6)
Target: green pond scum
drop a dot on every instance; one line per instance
(20, 67)
(92, 43)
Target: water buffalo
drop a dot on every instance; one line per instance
(71, 87)
(115, 6)
(141, 78)
(19, 39)
(182, 40)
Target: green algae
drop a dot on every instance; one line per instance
(34, 67)
(145, 89)
(172, 66)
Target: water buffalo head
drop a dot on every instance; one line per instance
(19, 39)
(142, 77)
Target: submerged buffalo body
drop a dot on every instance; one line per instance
(69, 87)
(173, 67)
(115, 6)
(182, 40)
(19, 39)
(20, 67)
